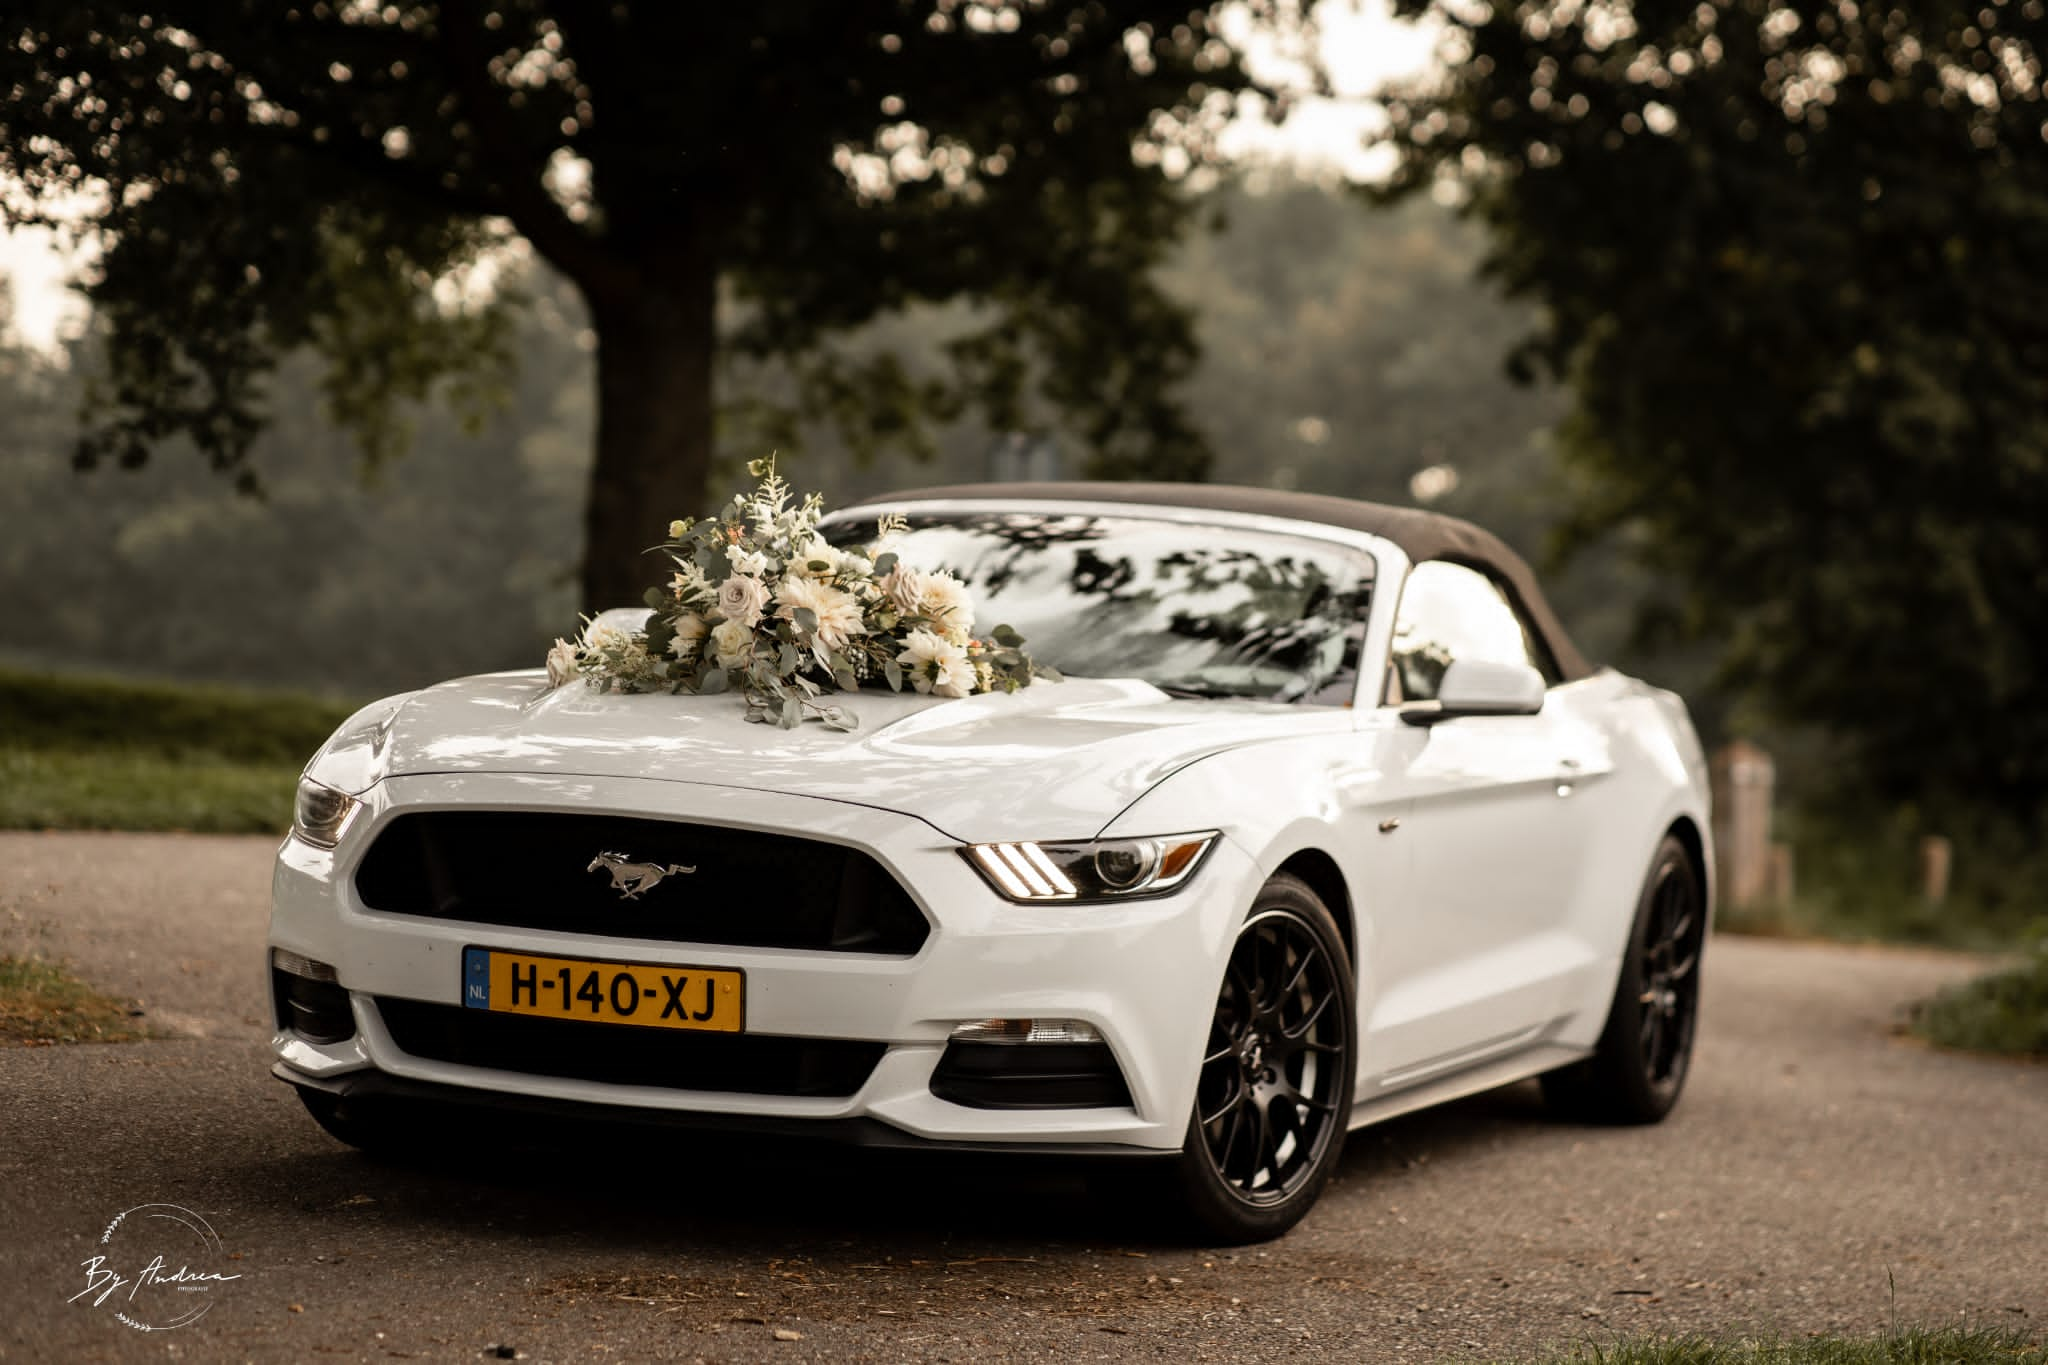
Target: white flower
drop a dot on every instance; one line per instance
(733, 643)
(689, 583)
(904, 587)
(741, 599)
(690, 631)
(677, 529)
(839, 615)
(605, 638)
(944, 599)
(749, 562)
(936, 664)
(816, 552)
(561, 663)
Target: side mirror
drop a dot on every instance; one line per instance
(1479, 687)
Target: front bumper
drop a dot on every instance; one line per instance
(1143, 973)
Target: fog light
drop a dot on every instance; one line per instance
(986, 1065)
(287, 961)
(1027, 1031)
(310, 1001)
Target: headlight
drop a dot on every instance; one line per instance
(1097, 870)
(323, 814)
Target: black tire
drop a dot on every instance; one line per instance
(1639, 1066)
(1273, 1101)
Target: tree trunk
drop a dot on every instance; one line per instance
(655, 346)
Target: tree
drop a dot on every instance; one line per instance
(276, 174)
(1789, 256)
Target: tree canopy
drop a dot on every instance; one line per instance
(1788, 256)
(270, 176)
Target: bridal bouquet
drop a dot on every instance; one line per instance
(760, 604)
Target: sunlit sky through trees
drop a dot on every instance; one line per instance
(1363, 47)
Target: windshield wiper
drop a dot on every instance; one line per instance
(1202, 691)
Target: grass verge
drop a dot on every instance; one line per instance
(2005, 1012)
(42, 1003)
(1949, 1346)
(95, 753)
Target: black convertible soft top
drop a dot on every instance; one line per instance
(1421, 535)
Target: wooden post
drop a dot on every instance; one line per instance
(1780, 886)
(1937, 859)
(1743, 778)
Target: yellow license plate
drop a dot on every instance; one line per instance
(604, 992)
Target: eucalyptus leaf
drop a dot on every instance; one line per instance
(846, 681)
(1004, 635)
(806, 620)
(712, 680)
(839, 718)
(893, 672)
(788, 660)
(884, 563)
(655, 598)
(792, 714)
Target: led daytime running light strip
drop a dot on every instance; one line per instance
(1025, 872)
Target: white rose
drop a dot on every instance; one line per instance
(561, 663)
(741, 599)
(733, 643)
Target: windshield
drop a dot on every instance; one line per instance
(1202, 611)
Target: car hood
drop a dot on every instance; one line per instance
(1054, 761)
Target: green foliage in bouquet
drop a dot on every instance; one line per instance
(760, 604)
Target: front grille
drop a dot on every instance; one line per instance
(533, 870)
(627, 1054)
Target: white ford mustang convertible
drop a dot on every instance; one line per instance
(1329, 821)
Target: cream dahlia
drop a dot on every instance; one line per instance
(936, 665)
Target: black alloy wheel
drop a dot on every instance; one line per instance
(1273, 1100)
(1639, 1066)
(1668, 1002)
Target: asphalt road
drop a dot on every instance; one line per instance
(1821, 1174)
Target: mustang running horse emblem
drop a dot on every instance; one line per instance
(629, 878)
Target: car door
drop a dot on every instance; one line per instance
(1477, 959)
